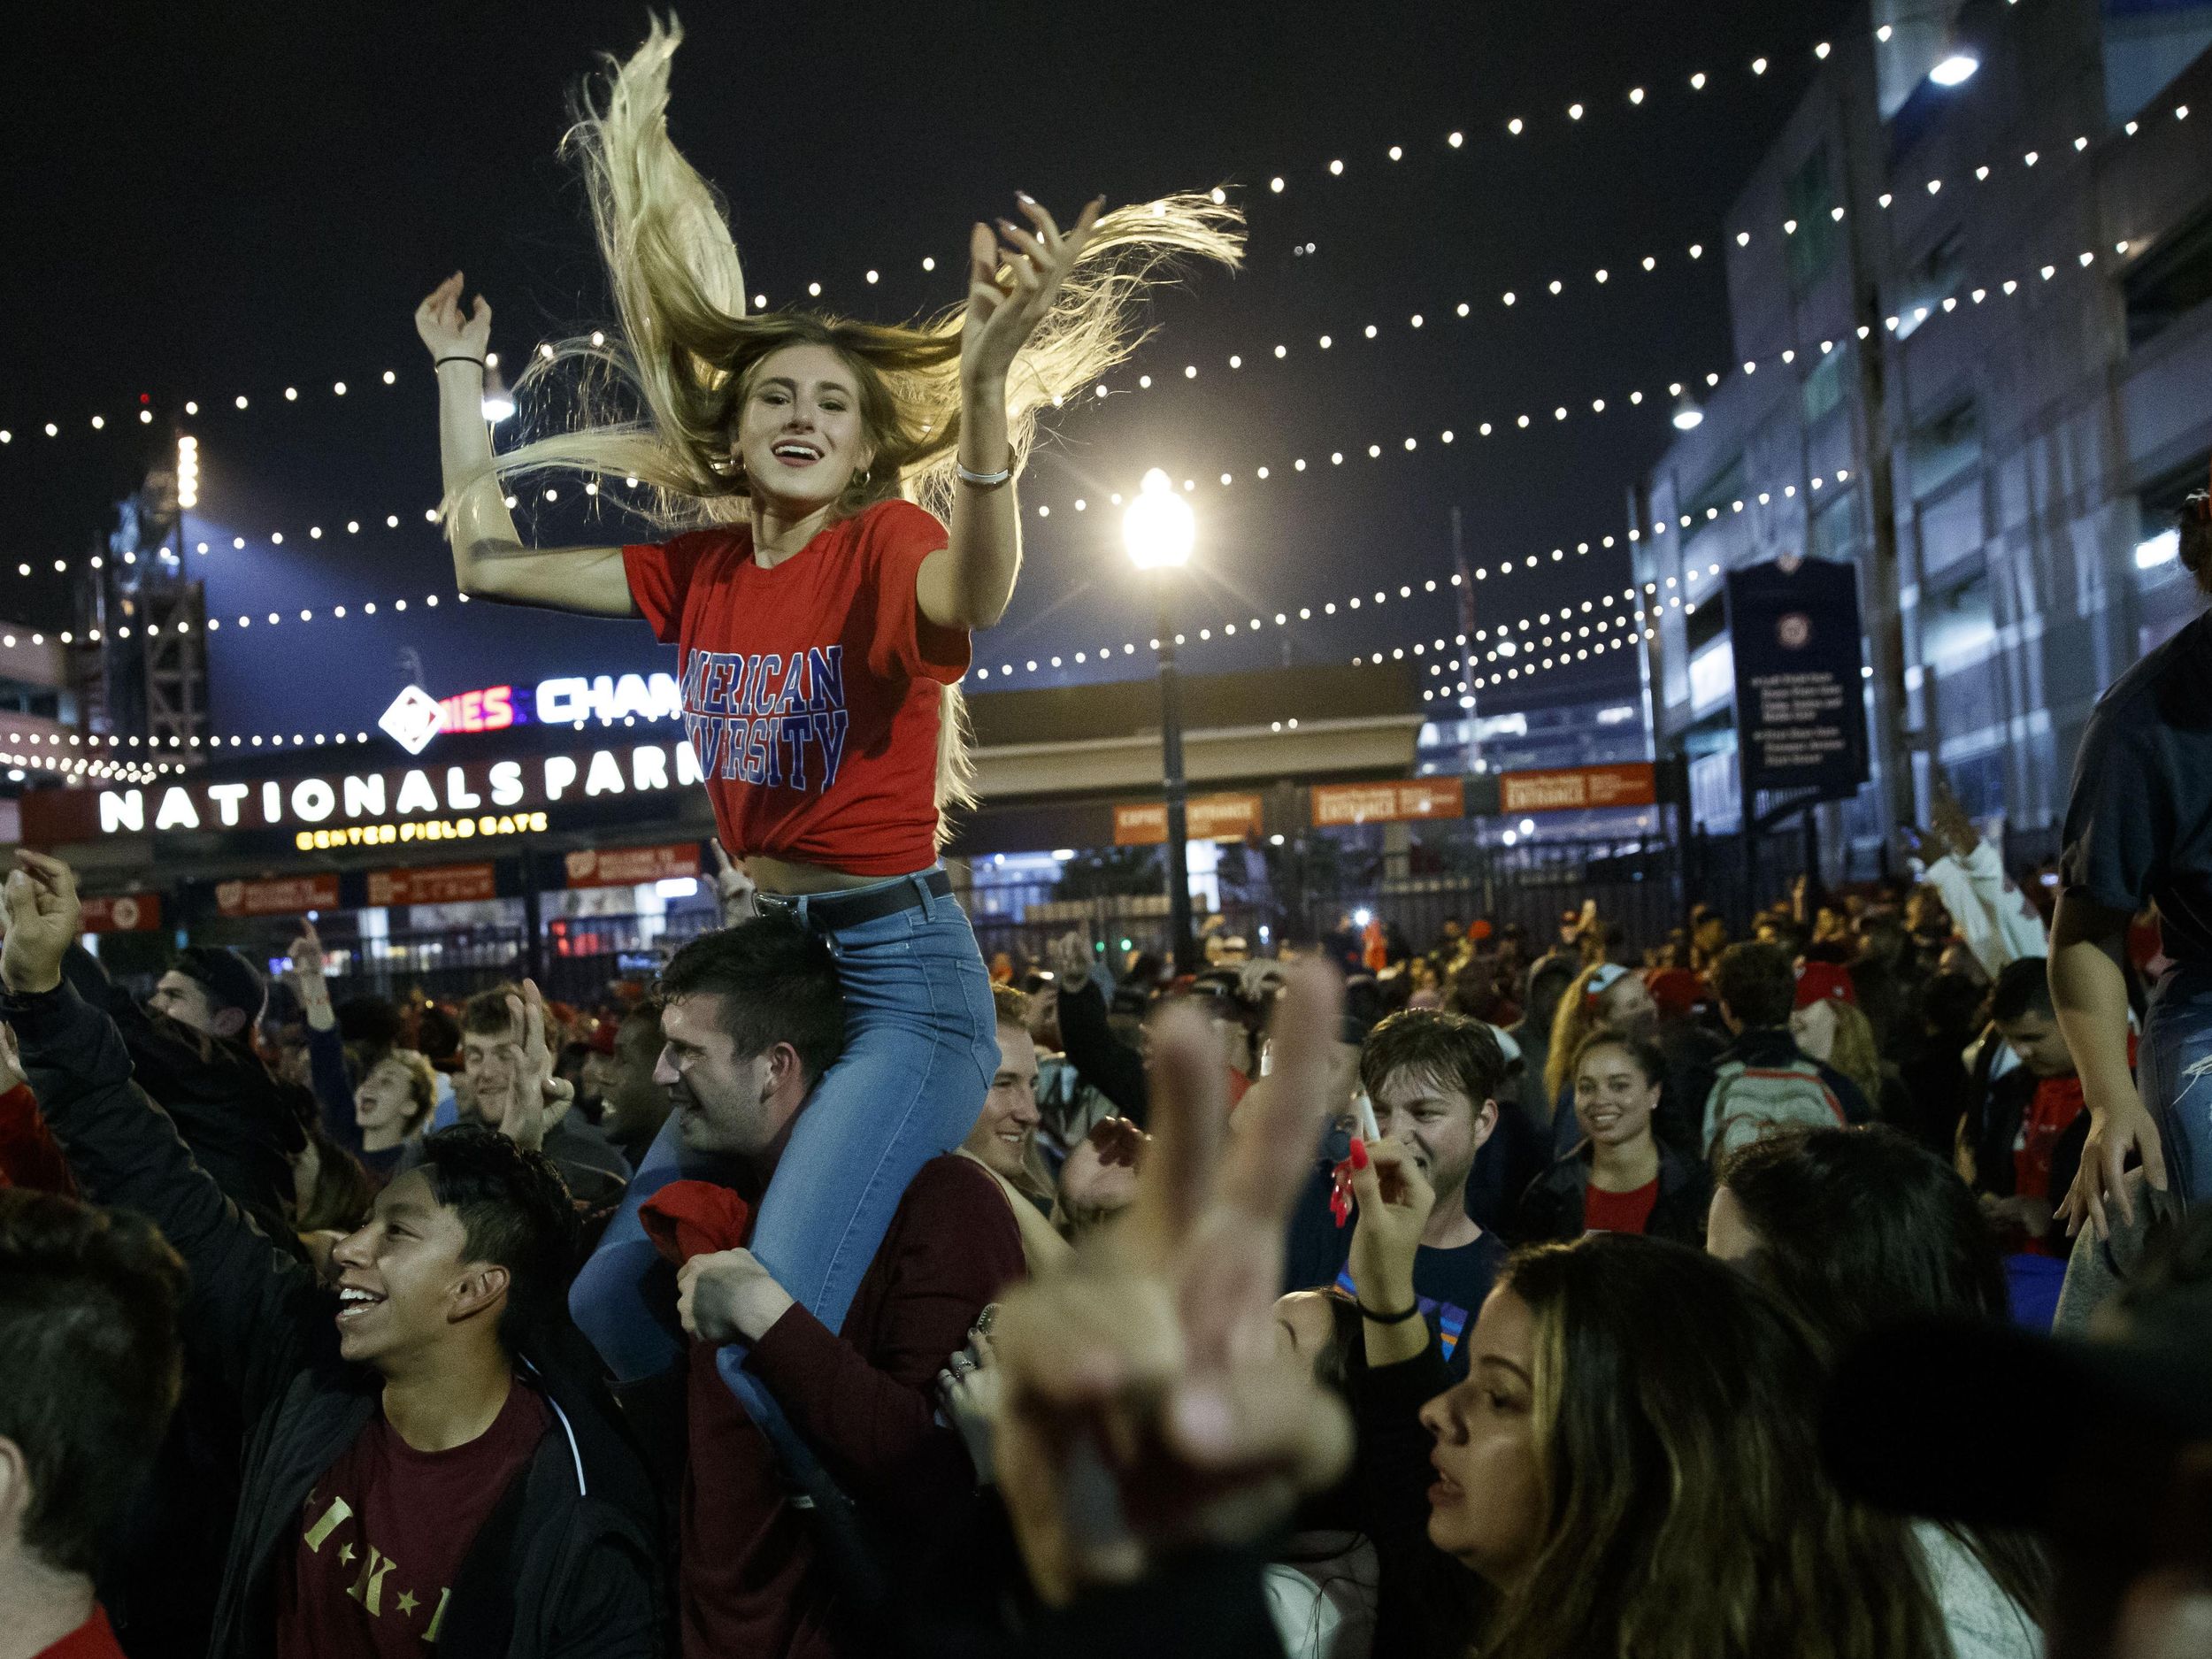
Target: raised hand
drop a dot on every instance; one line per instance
(1394, 1202)
(537, 1097)
(1142, 1406)
(1069, 955)
(307, 975)
(446, 329)
(41, 899)
(1003, 311)
(1949, 824)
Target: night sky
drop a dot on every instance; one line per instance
(204, 201)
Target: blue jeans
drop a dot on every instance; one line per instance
(2177, 1040)
(921, 1046)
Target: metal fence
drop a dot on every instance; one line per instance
(1641, 885)
(580, 957)
(1643, 888)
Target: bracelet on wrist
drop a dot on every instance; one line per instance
(1371, 1316)
(986, 481)
(459, 357)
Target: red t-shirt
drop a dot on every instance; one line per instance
(1619, 1212)
(386, 1530)
(2052, 1109)
(811, 689)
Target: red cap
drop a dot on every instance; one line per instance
(1819, 980)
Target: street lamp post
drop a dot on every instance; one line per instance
(1158, 531)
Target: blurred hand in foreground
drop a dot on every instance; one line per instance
(1143, 1407)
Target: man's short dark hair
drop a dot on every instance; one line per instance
(1449, 1049)
(2023, 987)
(487, 1014)
(89, 1362)
(515, 1213)
(778, 983)
(228, 979)
(1755, 984)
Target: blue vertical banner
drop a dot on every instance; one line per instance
(1800, 692)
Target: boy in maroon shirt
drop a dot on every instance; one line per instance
(435, 1468)
(752, 1018)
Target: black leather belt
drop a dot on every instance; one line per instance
(833, 913)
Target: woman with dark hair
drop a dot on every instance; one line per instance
(1630, 1465)
(1620, 1177)
(1852, 1227)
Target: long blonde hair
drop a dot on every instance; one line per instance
(1855, 1053)
(658, 399)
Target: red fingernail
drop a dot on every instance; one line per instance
(1359, 1152)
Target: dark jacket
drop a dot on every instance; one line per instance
(570, 1561)
(1429, 1604)
(240, 1120)
(1552, 1207)
(1100, 1058)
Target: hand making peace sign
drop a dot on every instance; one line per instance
(1143, 1404)
(1004, 311)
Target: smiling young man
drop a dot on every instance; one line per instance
(595, 1172)
(426, 1461)
(1004, 1138)
(1433, 1078)
(752, 1018)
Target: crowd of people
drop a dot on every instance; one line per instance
(1688, 1298)
(1393, 1312)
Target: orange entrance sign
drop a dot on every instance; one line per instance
(1393, 802)
(1577, 788)
(1208, 817)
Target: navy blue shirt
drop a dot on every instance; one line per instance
(1450, 1284)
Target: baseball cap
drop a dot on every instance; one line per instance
(1602, 978)
(1988, 1424)
(231, 981)
(1818, 981)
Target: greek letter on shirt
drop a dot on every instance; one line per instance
(763, 721)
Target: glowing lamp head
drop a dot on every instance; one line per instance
(1956, 70)
(1688, 416)
(1159, 527)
